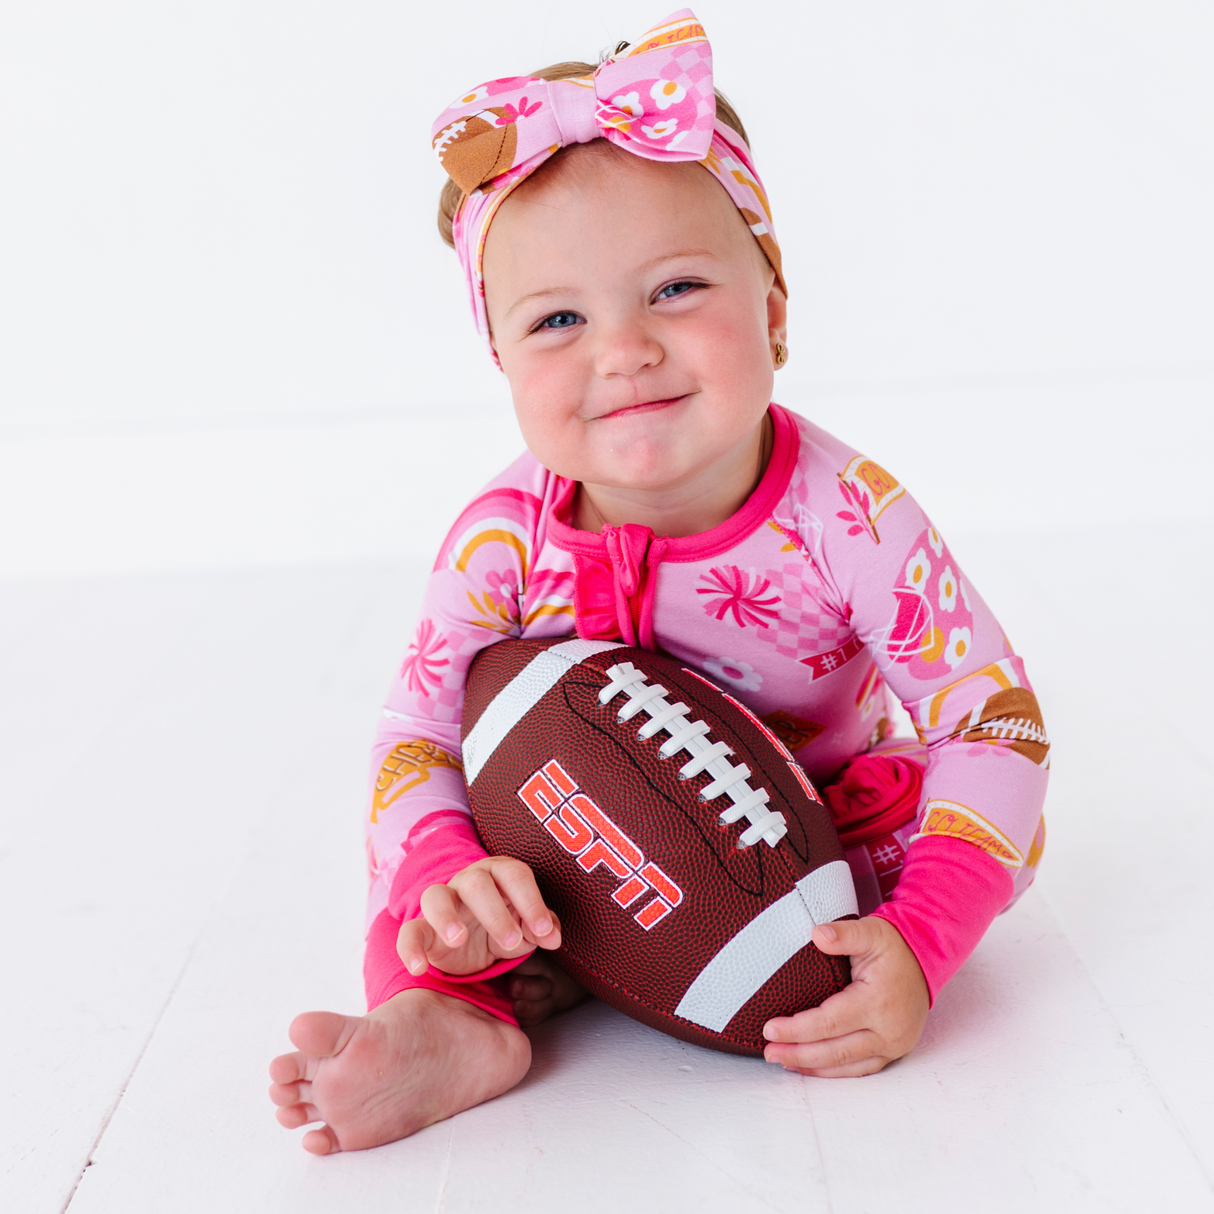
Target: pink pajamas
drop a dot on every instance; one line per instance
(827, 590)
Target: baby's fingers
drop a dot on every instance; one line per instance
(854, 1054)
(479, 893)
(517, 882)
(413, 943)
(442, 910)
(845, 1012)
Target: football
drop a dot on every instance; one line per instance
(686, 853)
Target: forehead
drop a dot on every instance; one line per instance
(595, 197)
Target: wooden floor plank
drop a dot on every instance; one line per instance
(289, 937)
(140, 777)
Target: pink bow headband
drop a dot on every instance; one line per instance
(655, 99)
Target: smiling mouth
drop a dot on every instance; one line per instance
(649, 406)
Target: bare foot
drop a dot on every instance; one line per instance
(414, 1060)
(540, 988)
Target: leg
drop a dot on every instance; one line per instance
(418, 1058)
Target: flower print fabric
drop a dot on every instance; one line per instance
(741, 675)
(744, 595)
(827, 591)
(422, 667)
(932, 632)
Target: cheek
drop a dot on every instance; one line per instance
(730, 350)
(547, 393)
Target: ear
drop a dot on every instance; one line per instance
(777, 315)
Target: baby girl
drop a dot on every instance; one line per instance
(623, 267)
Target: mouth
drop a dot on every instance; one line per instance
(649, 406)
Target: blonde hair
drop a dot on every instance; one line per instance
(451, 196)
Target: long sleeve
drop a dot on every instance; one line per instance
(941, 651)
(483, 587)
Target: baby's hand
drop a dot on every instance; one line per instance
(489, 911)
(876, 1019)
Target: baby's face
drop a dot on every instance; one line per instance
(634, 316)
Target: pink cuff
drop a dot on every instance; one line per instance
(948, 894)
(384, 975)
(433, 860)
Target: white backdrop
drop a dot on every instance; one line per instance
(230, 334)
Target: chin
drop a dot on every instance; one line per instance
(656, 473)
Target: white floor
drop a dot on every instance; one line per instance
(181, 774)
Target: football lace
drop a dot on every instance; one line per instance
(713, 757)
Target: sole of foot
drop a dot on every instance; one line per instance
(414, 1060)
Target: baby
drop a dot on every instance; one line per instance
(622, 265)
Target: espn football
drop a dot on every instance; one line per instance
(685, 851)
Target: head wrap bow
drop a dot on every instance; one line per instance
(655, 99)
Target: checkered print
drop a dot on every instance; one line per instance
(806, 624)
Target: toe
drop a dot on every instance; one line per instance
(322, 1034)
(529, 1013)
(290, 1093)
(290, 1068)
(295, 1115)
(321, 1142)
(530, 990)
(283, 1094)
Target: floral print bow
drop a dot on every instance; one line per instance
(654, 99)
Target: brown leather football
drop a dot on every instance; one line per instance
(686, 852)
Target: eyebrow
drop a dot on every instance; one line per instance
(649, 265)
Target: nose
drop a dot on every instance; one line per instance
(625, 348)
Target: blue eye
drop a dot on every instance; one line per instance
(675, 289)
(560, 320)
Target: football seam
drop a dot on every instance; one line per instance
(700, 827)
(752, 803)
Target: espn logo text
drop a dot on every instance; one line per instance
(588, 834)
